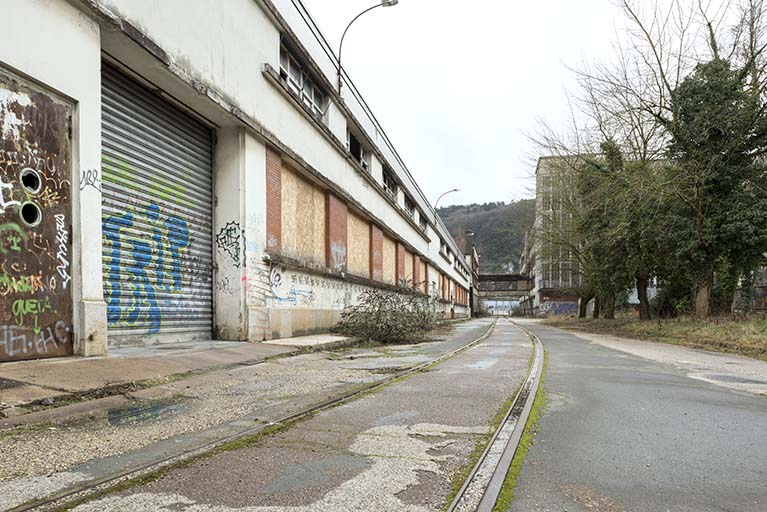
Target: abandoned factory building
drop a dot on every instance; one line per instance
(173, 171)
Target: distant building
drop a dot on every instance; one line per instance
(548, 259)
(472, 261)
(501, 294)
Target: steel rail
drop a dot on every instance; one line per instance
(516, 419)
(65, 498)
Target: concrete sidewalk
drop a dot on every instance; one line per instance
(57, 447)
(27, 383)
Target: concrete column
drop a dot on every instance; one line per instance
(262, 171)
(229, 217)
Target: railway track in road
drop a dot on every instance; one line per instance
(483, 486)
(87, 490)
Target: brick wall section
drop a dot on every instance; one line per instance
(376, 253)
(426, 279)
(336, 233)
(273, 201)
(416, 271)
(400, 265)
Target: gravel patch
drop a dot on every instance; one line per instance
(205, 401)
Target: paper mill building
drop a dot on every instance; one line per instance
(171, 171)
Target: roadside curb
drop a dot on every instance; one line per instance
(83, 405)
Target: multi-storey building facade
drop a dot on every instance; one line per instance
(549, 257)
(176, 171)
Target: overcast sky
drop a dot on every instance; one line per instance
(457, 85)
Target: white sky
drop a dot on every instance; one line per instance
(457, 85)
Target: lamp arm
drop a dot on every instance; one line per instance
(341, 44)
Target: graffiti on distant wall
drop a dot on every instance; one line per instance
(558, 308)
(62, 248)
(228, 240)
(291, 288)
(338, 256)
(6, 188)
(90, 178)
(142, 271)
(36, 304)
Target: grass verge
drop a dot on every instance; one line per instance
(531, 428)
(741, 337)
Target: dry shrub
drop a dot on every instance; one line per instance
(389, 317)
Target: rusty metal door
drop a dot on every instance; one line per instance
(35, 222)
(157, 215)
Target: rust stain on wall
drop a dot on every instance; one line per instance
(35, 223)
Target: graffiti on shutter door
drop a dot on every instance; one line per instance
(35, 223)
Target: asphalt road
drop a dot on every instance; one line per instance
(392, 450)
(626, 433)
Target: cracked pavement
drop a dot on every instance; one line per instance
(397, 448)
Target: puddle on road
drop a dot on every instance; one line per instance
(484, 364)
(10, 383)
(149, 412)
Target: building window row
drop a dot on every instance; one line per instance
(302, 83)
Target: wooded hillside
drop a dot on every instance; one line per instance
(499, 230)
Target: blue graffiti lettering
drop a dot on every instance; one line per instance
(138, 267)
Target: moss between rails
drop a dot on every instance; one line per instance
(531, 427)
(459, 477)
(741, 337)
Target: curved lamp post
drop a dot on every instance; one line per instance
(436, 203)
(384, 3)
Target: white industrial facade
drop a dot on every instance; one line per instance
(179, 103)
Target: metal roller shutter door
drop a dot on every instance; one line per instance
(156, 215)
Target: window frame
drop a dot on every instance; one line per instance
(305, 86)
(364, 154)
(390, 184)
(423, 223)
(409, 206)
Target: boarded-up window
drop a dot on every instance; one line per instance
(409, 268)
(389, 260)
(303, 219)
(358, 245)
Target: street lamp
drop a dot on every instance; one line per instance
(384, 3)
(440, 197)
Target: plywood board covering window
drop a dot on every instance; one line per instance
(389, 260)
(408, 267)
(358, 245)
(433, 280)
(303, 219)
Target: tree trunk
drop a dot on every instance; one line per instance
(642, 282)
(583, 306)
(610, 306)
(702, 300)
(597, 308)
